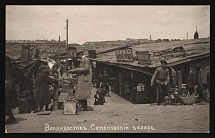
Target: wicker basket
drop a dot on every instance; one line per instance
(188, 100)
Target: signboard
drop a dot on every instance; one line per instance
(124, 54)
(92, 53)
(143, 57)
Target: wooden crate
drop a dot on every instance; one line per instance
(140, 97)
(70, 108)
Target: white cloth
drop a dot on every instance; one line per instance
(50, 64)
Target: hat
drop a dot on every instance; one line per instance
(78, 52)
(163, 61)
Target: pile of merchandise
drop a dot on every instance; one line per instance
(70, 99)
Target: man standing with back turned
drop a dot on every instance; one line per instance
(161, 78)
(84, 74)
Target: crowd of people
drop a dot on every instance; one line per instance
(197, 82)
(27, 102)
(161, 79)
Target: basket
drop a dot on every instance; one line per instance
(188, 100)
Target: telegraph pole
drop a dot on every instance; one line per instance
(187, 35)
(59, 50)
(67, 46)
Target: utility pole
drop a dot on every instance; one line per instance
(67, 46)
(58, 50)
(187, 35)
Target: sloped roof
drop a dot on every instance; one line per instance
(194, 49)
(105, 50)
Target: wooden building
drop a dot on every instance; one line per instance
(27, 66)
(142, 67)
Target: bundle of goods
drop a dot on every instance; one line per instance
(167, 100)
(188, 99)
(70, 105)
(140, 87)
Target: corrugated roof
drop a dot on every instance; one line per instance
(194, 49)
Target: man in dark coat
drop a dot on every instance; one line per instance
(84, 74)
(43, 96)
(193, 81)
(105, 81)
(11, 99)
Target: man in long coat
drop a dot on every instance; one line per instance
(84, 76)
(11, 99)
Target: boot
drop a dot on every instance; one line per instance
(41, 108)
(47, 108)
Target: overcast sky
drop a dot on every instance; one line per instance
(99, 23)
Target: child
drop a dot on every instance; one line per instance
(24, 106)
(100, 95)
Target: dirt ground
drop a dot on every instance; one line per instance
(117, 116)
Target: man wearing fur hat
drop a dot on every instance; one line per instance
(84, 84)
(161, 78)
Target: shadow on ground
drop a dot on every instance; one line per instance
(16, 121)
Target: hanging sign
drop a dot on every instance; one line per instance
(92, 53)
(143, 57)
(124, 54)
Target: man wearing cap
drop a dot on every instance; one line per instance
(161, 78)
(84, 84)
(11, 99)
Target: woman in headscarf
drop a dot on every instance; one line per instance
(42, 89)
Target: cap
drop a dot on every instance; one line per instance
(163, 61)
(78, 52)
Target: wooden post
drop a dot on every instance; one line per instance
(179, 76)
(55, 96)
(117, 81)
(120, 83)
